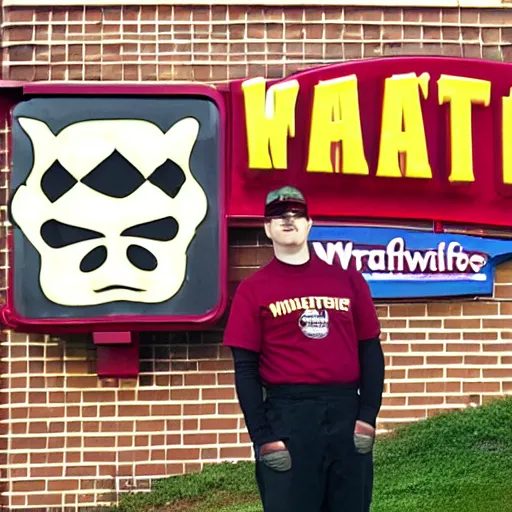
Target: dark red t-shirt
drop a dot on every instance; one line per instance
(305, 321)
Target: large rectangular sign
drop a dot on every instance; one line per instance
(392, 138)
(403, 263)
(117, 204)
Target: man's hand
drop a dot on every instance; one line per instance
(364, 428)
(364, 437)
(276, 456)
(274, 446)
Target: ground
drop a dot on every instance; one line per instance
(456, 462)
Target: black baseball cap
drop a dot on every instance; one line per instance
(283, 200)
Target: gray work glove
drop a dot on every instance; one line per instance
(278, 461)
(363, 443)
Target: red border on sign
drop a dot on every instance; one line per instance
(131, 322)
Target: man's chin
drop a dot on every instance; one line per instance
(289, 243)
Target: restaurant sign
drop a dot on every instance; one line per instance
(406, 263)
(423, 138)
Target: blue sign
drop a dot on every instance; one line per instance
(407, 263)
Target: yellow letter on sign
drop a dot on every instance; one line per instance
(461, 93)
(506, 138)
(335, 118)
(402, 128)
(269, 119)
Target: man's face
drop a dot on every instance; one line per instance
(291, 229)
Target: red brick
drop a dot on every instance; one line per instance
(213, 366)
(463, 373)
(44, 499)
(99, 456)
(173, 454)
(200, 379)
(481, 387)
(507, 387)
(99, 442)
(443, 387)
(236, 452)
(497, 373)
(185, 394)
(28, 485)
(166, 410)
(218, 394)
(133, 456)
(225, 379)
(497, 347)
(463, 347)
(229, 408)
(395, 347)
(203, 352)
(448, 309)
(407, 310)
(133, 410)
(150, 470)
(480, 308)
(427, 347)
(382, 311)
(217, 424)
(484, 336)
(48, 472)
(63, 485)
(199, 409)
(190, 424)
(478, 360)
(425, 324)
(150, 425)
(393, 401)
(425, 373)
(407, 360)
(200, 439)
(425, 400)
(394, 374)
(99, 396)
(462, 323)
(407, 336)
(445, 360)
(444, 336)
(497, 323)
(403, 413)
(209, 453)
(503, 291)
(407, 387)
(157, 395)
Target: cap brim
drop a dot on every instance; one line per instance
(278, 208)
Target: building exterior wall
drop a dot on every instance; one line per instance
(68, 438)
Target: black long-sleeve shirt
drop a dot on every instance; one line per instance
(250, 392)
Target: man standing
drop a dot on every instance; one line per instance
(307, 333)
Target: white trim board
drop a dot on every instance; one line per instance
(270, 3)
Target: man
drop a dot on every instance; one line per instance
(307, 333)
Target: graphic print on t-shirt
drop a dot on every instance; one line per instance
(314, 323)
(287, 306)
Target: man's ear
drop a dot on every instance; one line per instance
(310, 224)
(267, 228)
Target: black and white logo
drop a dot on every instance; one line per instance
(314, 323)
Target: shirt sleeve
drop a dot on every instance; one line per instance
(250, 396)
(371, 360)
(243, 329)
(366, 322)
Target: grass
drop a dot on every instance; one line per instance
(455, 462)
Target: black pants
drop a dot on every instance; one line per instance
(327, 475)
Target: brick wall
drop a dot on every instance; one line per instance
(67, 438)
